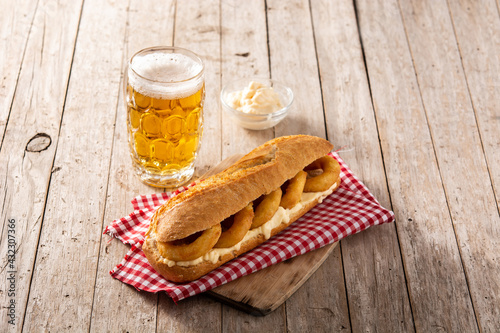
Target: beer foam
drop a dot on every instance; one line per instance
(165, 75)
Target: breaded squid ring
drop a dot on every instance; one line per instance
(241, 224)
(190, 251)
(266, 208)
(294, 190)
(322, 182)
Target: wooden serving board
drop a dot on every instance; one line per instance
(262, 292)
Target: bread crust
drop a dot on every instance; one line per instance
(200, 207)
(257, 173)
(181, 274)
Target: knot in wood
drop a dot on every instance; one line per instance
(38, 143)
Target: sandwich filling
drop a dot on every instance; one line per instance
(282, 215)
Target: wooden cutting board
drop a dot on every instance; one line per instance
(264, 291)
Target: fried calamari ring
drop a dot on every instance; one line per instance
(266, 208)
(322, 182)
(294, 190)
(242, 221)
(184, 250)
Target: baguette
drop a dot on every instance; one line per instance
(221, 196)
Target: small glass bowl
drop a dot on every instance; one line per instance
(257, 121)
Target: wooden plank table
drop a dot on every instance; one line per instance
(407, 90)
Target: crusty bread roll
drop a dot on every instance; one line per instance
(211, 201)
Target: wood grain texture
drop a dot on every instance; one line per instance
(262, 292)
(325, 311)
(476, 25)
(65, 269)
(25, 173)
(198, 29)
(293, 62)
(244, 54)
(238, 321)
(194, 314)
(374, 274)
(438, 289)
(449, 110)
(15, 28)
(148, 23)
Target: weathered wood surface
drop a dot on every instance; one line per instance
(374, 257)
(65, 268)
(408, 90)
(34, 116)
(15, 27)
(262, 292)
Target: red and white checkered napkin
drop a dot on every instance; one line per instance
(350, 209)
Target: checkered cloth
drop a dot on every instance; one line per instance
(350, 209)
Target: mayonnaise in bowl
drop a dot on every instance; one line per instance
(256, 103)
(256, 98)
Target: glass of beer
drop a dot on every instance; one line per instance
(164, 94)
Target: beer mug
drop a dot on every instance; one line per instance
(164, 94)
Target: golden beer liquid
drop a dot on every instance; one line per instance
(164, 134)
